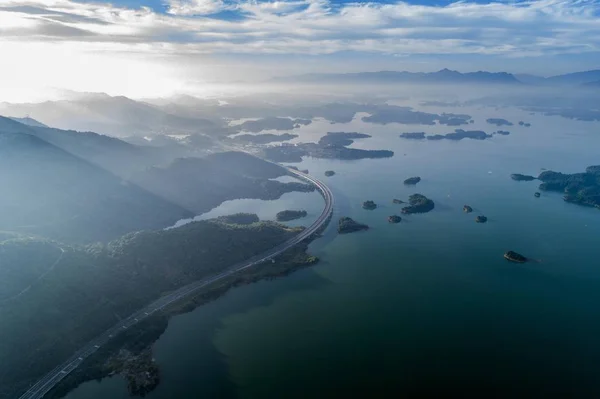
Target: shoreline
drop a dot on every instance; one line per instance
(138, 340)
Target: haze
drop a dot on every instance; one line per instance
(149, 49)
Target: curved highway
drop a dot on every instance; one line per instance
(39, 389)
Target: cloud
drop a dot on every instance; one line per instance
(317, 26)
(195, 7)
(87, 39)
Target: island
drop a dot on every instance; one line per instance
(332, 146)
(520, 177)
(498, 122)
(370, 205)
(239, 218)
(384, 114)
(329, 173)
(261, 139)
(579, 188)
(413, 135)
(348, 225)
(537, 194)
(481, 219)
(513, 256)
(271, 123)
(394, 219)
(287, 215)
(412, 180)
(521, 123)
(341, 139)
(305, 171)
(502, 132)
(398, 201)
(467, 209)
(457, 135)
(418, 204)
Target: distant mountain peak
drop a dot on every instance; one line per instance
(443, 76)
(28, 121)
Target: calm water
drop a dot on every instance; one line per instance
(424, 308)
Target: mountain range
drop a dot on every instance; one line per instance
(98, 112)
(86, 187)
(444, 76)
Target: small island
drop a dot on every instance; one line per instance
(513, 256)
(413, 135)
(398, 201)
(418, 204)
(467, 209)
(525, 124)
(305, 171)
(394, 219)
(457, 135)
(329, 173)
(481, 219)
(412, 180)
(348, 225)
(498, 122)
(288, 215)
(502, 132)
(520, 177)
(370, 205)
(537, 194)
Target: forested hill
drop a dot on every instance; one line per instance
(55, 184)
(112, 154)
(49, 192)
(85, 290)
(200, 184)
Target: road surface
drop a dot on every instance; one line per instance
(40, 388)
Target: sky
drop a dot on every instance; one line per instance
(160, 47)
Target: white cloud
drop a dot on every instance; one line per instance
(270, 27)
(103, 38)
(195, 7)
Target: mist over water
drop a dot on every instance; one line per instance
(425, 307)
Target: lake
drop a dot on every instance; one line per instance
(424, 308)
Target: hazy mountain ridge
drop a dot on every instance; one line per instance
(110, 153)
(442, 76)
(50, 192)
(29, 122)
(200, 184)
(117, 116)
(52, 186)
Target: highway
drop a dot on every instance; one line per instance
(40, 388)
